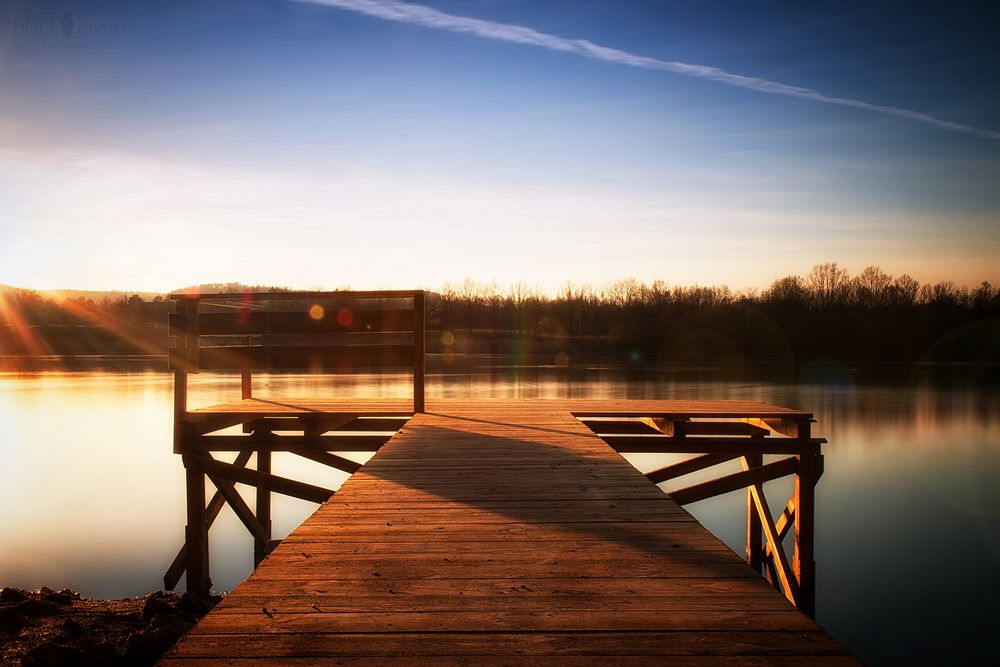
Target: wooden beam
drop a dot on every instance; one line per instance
(215, 505)
(196, 534)
(316, 424)
(200, 424)
(803, 558)
(263, 501)
(739, 480)
(638, 444)
(239, 506)
(258, 323)
(282, 485)
(789, 585)
(793, 428)
(286, 443)
(754, 549)
(619, 426)
(688, 466)
(316, 358)
(246, 378)
(419, 352)
(664, 425)
(332, 460)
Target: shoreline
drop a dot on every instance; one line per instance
(52, 628)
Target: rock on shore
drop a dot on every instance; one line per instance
(47, 627)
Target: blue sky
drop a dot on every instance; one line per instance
(306, 145)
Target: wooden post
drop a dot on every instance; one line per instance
(246, 380)
(196, 535)
(180, 409)
(803, 559)
(419, 330)
(263, 508)
(755, 547)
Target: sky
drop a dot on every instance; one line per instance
(379, 144)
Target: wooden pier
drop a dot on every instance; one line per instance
(503, 532)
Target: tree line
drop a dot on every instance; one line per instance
(872, 317)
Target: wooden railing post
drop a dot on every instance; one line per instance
(419, 331)
(246, 380)
(755, 547)
(803, 558)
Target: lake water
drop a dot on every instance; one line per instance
(908, 510)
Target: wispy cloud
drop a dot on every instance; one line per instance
(432, 18)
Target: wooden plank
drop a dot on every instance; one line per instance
(631, 660)
(480, 644)
(460, 620)
(315, 358)
(242, 323)
(739, 480)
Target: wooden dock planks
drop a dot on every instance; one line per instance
(504, 532)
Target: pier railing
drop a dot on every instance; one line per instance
(317, 332)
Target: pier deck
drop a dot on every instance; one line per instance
(504, 532)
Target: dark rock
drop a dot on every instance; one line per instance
(45, 590)
(142, 648)
(12, 595)
(171, 632)
(99, 654)
(73, 595)
(196, 604)
(51, 654)
(9, 621)
(155, 606)
(58, 598)
(71, 628)
(160, 620)
(33, 607)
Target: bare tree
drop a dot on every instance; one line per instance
(828, 284)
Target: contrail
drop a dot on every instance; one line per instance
(405, 12)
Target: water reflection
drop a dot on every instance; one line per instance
(908, 514)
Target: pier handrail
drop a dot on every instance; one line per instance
(263, 334)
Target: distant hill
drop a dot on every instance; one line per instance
(227, 288)
(114, 295)
(97, 295)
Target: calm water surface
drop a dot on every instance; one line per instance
(908, 511)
